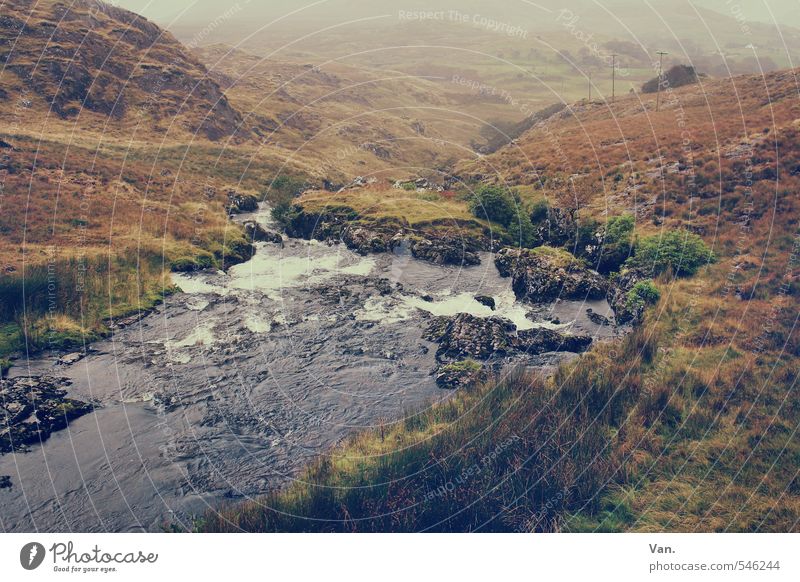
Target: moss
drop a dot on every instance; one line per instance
(463, 367)
(559, 257)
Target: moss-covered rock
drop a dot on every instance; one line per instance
(546, 273)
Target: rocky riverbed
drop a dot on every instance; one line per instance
(229, 388)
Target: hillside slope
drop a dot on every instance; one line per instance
(690, 423)
(102, 63)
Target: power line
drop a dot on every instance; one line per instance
(660, 76)
(613, 76)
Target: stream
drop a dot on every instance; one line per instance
(229, 388)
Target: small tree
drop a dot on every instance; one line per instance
(576, 197)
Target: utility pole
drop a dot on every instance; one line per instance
(660, 74)
(590, 87)
(613, 76)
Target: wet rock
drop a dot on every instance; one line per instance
(541, 340)
(596, 318)
(445, 251)
(364, 241)
(32, 408)
(257, 233)
(238, 203)
(69, 359)
(545, 274)
(459, 375)
(486, 300)
(468, 336)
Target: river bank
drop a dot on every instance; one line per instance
(228, 389)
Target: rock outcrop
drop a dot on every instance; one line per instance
(445, 251)
(31, 409)
(545, 274)
(238, 202)
(257, 233)
(468, 336)
(342, 224)
(459, 375)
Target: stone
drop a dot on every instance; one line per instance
(486, 300)
(596, 318)
(545, 275)
(238, 203)
(257, 233)
(69, 359)
(466, 336)
(32, 408)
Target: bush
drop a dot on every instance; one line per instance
(539, 211)
(281, 192)
(499, 205)
(681, 251)
(643, 293)
(618, 243)
(494, 203)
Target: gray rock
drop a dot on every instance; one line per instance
(486, 300)
(541, 276)
(32, 408)
(468, 336)
(257, 233)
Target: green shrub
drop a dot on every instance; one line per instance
(499, 205)
(643, 293)
(494, 203)
(617, 244)
(680, 251)
(540, 210)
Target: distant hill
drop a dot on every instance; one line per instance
(89, 57)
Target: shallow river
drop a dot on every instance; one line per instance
(230, 387)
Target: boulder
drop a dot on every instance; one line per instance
(596, 318)
(486, 300)
(69, 359)
(238, 203)
(32, 408)
(257, 233)
(545, 274)
(468, 336)
(484, 338)
(444, 251)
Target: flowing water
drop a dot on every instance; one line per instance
(228, 389)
